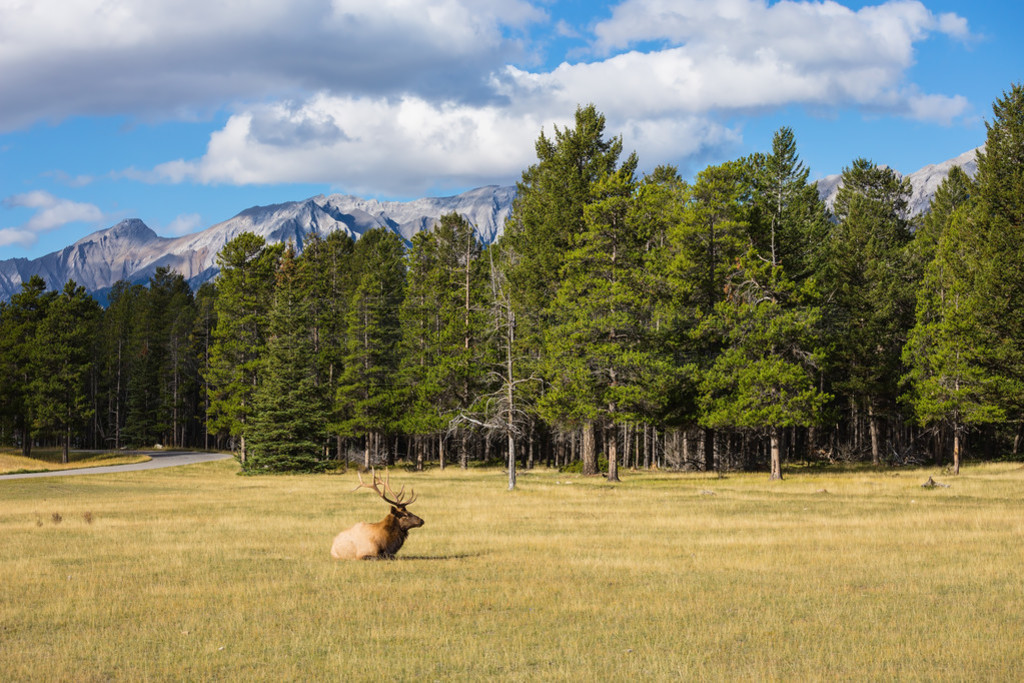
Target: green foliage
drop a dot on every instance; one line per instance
(245, 288)
(62, 354)
(289, 425)
(369, 393)
(948, 353)
(443, 326)
(717, 311)
(19, 361)
(1000, 212)
(770, 339)
(868, 269)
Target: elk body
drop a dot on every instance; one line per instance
(380, 539)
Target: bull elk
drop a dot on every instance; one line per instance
(380, 539)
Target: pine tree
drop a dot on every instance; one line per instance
(546, 216)
(763, 377)
(712, 233)
(368, 393)
(288, 429)
(325, 271)
(19, 367)
(1000, 212)
(421, 322)
(245, 288)
(867, 265)
(63, 354)
(951, 384)
(602, 360)
(119, 320)
(788, 219)
(202, 344)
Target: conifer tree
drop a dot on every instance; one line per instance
(947, 353)
(202, 338)
(19, 366)
(868, 268)
(763, 377)
(63, 356)
(289, 424)
(713, 232)
(604, 364)
(119, 320)
(325, 270)
(546, 217)
(788, 219)
(245, 287)
(368, 394)
(1000, 211)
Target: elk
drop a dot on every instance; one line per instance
(380, 539)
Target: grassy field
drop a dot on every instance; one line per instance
(48, 459)
(196, 574)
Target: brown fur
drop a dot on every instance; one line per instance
(377, 540)
(380, 539)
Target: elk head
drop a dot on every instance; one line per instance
(398, 501)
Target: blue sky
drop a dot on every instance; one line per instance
(185, 112)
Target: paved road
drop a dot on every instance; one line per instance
(159, 459)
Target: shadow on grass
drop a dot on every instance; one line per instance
(426, 558)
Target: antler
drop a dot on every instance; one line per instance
(397, 499)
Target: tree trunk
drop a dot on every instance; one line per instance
(589, 449)
(876, 457)
(956, 449)
(776, 458)
(709, 450)
(67, 445)
(511, 461)
(613, 452)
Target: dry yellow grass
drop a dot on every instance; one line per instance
(197, 574)
(46, 460)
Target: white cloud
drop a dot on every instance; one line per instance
(184, 224)
(167, 58)
(741, 54)
(50, 212)
(366, 145)
(721, 60)
(16, 236)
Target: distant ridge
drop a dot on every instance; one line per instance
(925, 181)
(131, 250)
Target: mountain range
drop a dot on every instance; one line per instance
(132, 251)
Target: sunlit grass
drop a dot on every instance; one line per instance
(195, 573)
(49, 459)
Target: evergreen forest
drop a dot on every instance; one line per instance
(623, 320)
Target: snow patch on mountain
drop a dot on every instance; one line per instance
(131, 251)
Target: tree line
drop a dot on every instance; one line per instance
(622, 320)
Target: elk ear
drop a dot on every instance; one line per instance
(395, 511)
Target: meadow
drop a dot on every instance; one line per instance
(49, 459)
(196, 573)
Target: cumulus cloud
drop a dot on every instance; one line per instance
(171, 57)
(715, 61)
(739, 54)
(49, 213)
(366, 145)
